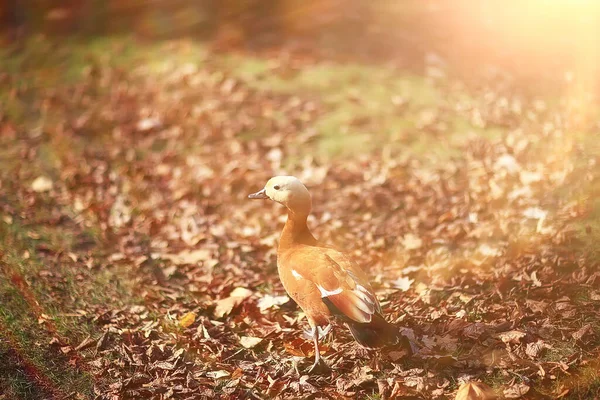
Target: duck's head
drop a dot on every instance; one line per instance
(286, 190)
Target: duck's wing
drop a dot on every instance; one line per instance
(343, 286)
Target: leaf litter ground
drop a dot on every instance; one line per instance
(128, 234)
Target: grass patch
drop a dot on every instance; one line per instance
(367, 108)
(49, 370)
(583, 384)
(584, 189)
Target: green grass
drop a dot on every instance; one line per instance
(27, 338)
(583, 384)
(58, 299)
(585, 191)
(366, 107)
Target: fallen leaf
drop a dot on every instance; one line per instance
(226, 305)
(536, 306)
(148, 123)
(507, 162)
(217, 374)
(187, 320)
(528, 177)
(535, 213)
(42, 184)
(249, 341)
(303, 348)
(514, 336)
(164, 365)
(268, 301)
(534, 349)
(398, 355)
(189, 257)
(403, 283)
(411, 241)
(580, 333)
(489, 251)
(475, 391)
(516, 391)
(87, 342)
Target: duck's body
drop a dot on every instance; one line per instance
(324, 282)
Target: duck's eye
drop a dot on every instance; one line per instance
(276, 187)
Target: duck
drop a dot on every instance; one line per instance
(325, 283)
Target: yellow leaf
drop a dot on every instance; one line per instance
(187, 320)
(475, 391)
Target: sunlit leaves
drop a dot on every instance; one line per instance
(249, 341)
(475, 391)
(42, 184)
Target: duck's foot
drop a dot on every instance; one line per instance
(309, 334)
(318, 367)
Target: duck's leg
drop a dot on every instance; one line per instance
(315, 329)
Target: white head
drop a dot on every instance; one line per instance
(286, 190)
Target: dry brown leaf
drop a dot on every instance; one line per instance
(513, 336)
(580, 333)
(164, 365)
(226, 305)
(303, 348)
(87, 342)
(516, 391)
(189, 256)
(475, 391)
(536, 306)
(535, 349)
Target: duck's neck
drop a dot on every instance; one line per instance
(295, 232)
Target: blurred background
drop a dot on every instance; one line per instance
(536, 38)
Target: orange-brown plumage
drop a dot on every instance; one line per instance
(323, 281)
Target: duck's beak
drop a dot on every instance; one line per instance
(261, 194)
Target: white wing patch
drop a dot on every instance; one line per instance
(326, 293)
(368, 301)
(362, 288)
(297, 275)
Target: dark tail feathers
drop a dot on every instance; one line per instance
(375, 334)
